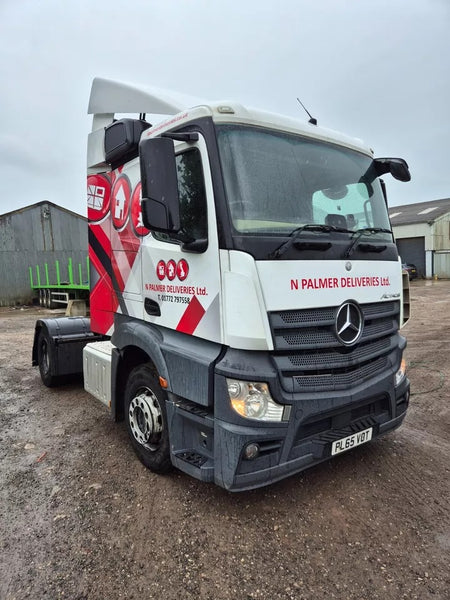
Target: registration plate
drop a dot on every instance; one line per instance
(351, 441)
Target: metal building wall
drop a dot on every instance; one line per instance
(35, 235)
(442, 264)
(441, 237)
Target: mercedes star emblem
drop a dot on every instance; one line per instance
(349, 323)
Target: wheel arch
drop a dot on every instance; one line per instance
(135, 344)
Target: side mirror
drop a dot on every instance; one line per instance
(397, 167)
(160, 201)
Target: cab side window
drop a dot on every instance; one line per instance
(192, 196)
(191, 190)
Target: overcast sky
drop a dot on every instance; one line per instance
(374, 69)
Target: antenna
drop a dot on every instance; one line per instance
(312, 120)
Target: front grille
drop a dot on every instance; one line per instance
(307, 316)
(310, 337)
(309, 356)
(334, 358)
(340, 380)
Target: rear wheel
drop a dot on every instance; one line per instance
(146, 419)
(50, 303)
(45, 358)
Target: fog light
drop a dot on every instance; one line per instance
(251, 451)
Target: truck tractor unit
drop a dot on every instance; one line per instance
(246, 293)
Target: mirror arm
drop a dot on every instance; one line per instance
(381, 166)
(383, 189)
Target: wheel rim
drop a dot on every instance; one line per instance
(145, 418)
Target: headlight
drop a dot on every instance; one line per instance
(252, 400)
(399, 376)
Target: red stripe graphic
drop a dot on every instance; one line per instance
(191, 317)
(118, 251)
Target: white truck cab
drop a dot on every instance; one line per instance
(246, 291)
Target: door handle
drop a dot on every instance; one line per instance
(152, 308)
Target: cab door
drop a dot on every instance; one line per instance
(181, 289)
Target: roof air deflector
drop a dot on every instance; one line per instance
(108, 96)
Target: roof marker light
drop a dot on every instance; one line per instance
(227, 110)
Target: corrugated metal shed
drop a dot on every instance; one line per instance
(422, 232)
(35, 235)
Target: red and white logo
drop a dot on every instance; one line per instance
(98, 197)
(182, 269)
(136, 212)
(120, 202)
(171, 270)
(161, 270)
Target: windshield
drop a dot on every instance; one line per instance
(276, 182)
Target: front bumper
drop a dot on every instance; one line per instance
(305, 440)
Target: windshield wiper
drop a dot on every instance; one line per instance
(366, 231)
(296, 233)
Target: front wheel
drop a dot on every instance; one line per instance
(146, 419)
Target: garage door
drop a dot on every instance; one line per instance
(412, 250)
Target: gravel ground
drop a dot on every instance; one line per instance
(81, 518)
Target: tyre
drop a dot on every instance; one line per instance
(146, 419)
(50, 303)
(45, 358)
